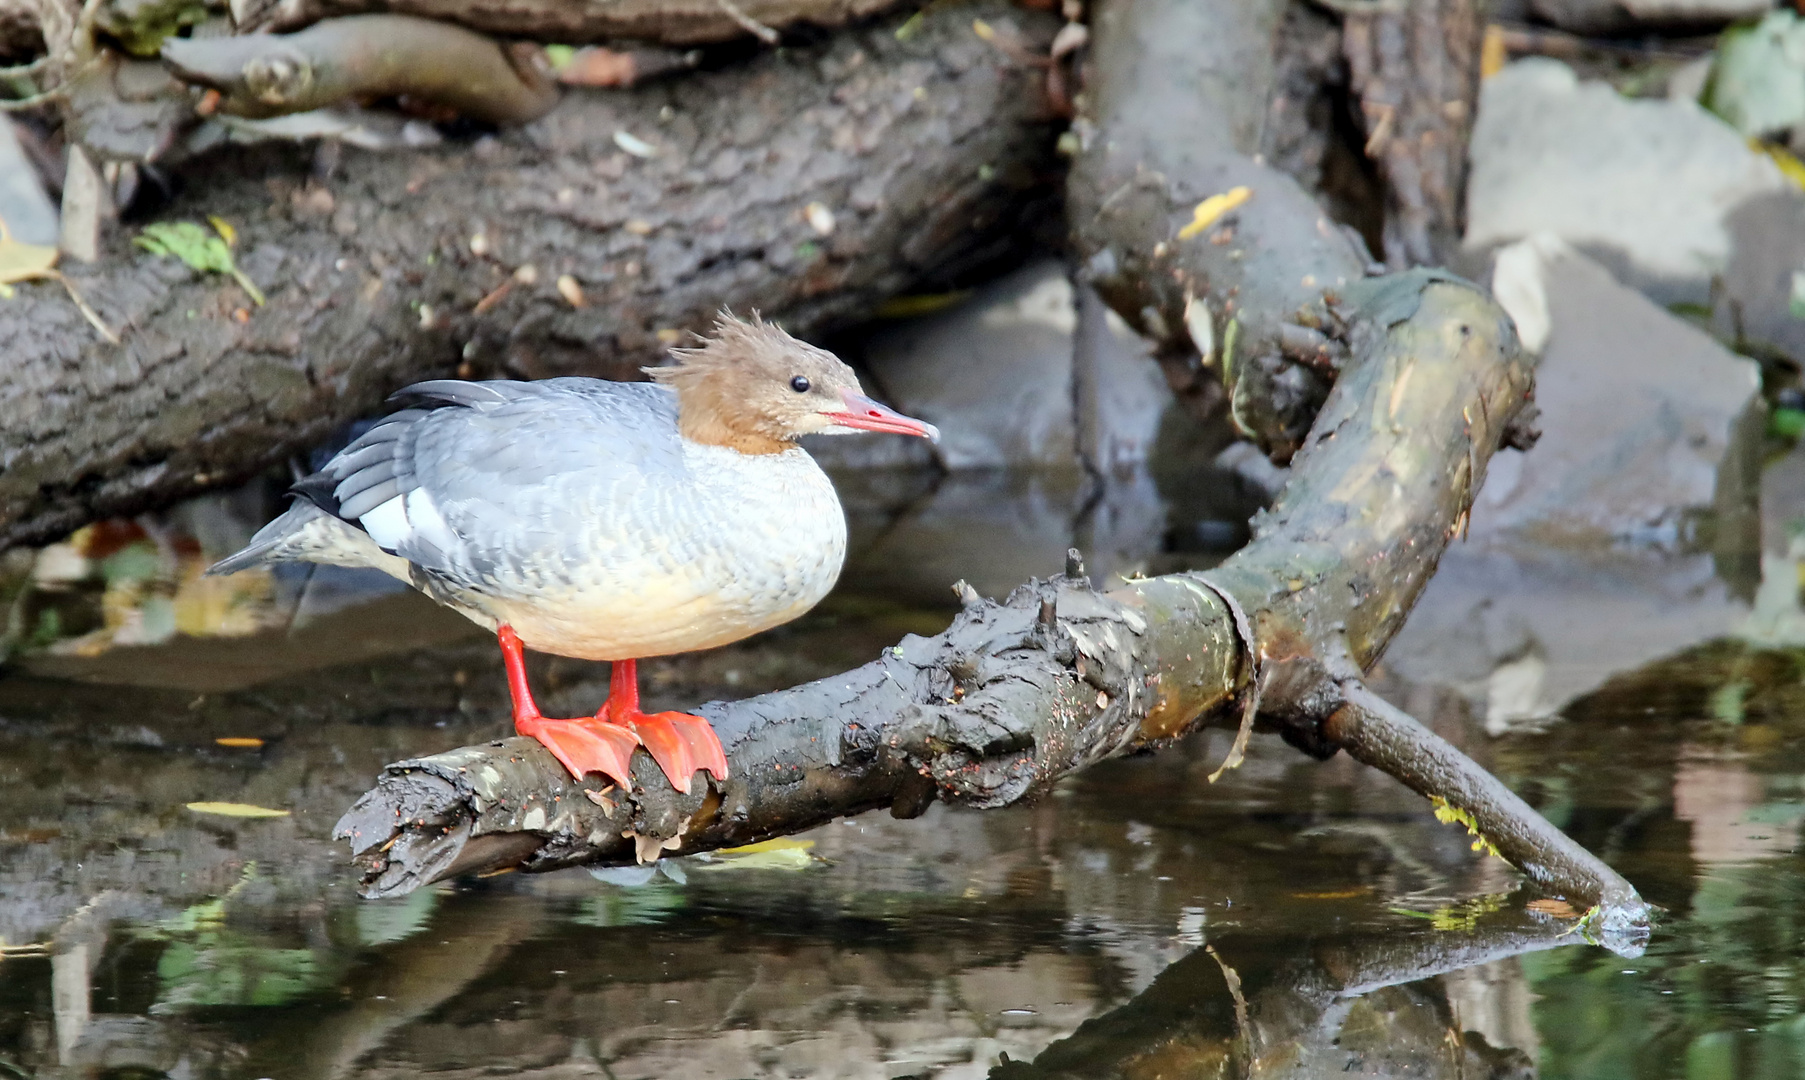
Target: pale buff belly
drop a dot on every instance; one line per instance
(654, 620)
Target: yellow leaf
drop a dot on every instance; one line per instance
(235, 809)
(782, 843)
(23, 262)
(1492, 52)
(1212, 208)
(223, 228)
(983, 30)
(1790, 166)
(780, 854)
(239, 742)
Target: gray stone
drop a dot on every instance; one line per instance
(1121, 395)
(1621, 16)
(1639, 411)
(994, 374)
(1627, 534)
(1765, 278)
(27, 210)
(1643, 186)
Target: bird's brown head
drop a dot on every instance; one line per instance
(754, 388)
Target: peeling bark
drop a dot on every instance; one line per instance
(929, 152)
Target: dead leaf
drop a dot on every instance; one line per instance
(239, 742)
(783, 853)
(1211, 209)
(235, 809)
(21, 262)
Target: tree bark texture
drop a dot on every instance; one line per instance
(1416, 71)
(927, 152)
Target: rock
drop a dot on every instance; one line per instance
(1627, 534)
(1639, 412)
(1644, 186)
(1024, 374)
(27, 210)
(994, 373)
(1520, 630)
(1121, 395)
(1761, 305)
(1622, 16)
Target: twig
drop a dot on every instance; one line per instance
(748, 23)
(1379, 734)
(88, 313)
(19, 71)
(35, 101)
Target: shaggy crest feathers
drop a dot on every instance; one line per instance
(735, 389)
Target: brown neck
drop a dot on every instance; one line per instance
(706, 426)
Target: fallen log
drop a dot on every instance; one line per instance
(811, 184)
(1014, 696)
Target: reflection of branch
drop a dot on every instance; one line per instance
(466, 937)
(1015, 696)
(1197, 1011)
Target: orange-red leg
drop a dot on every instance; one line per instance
(583, 746)
(678, 742)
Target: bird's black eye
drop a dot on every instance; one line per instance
(800, 384)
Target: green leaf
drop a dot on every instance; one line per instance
(1757, 80)
(205, 251)
(1786, 423)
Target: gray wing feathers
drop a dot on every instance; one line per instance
(512, 477)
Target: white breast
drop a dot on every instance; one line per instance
(748, 543)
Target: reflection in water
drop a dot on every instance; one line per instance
(1299, 917)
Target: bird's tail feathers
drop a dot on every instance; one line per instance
(279, 541)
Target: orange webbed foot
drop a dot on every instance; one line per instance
(680, 744)
(584, 746)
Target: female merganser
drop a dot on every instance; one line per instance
(602, 520)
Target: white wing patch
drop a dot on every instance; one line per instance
(428, 524)
(387, 524)
(413, 517)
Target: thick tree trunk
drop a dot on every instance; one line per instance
(549, 249)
